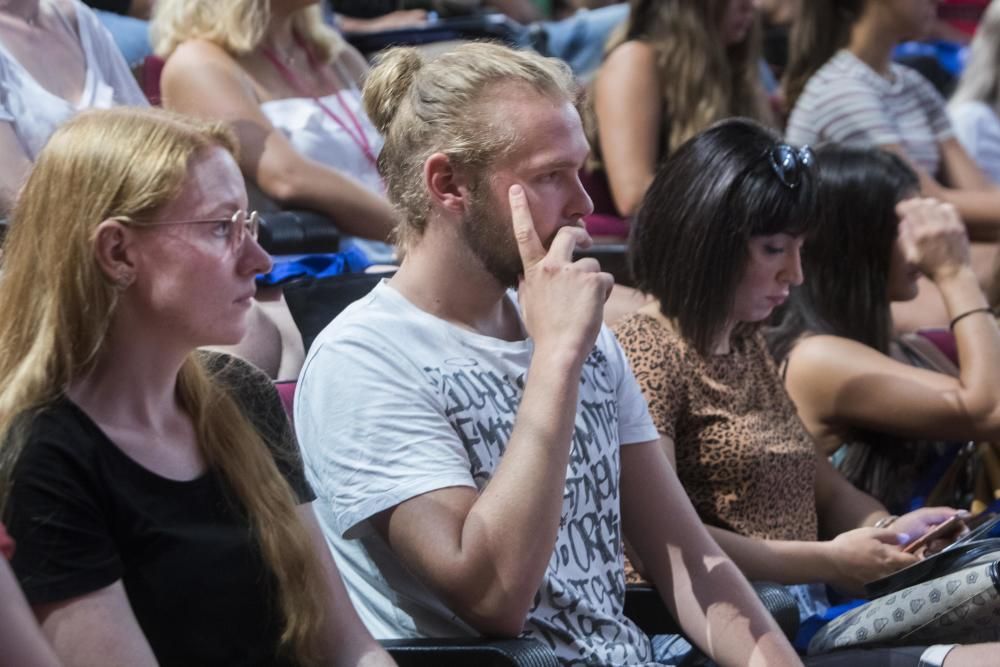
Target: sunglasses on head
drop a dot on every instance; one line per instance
(789, 162)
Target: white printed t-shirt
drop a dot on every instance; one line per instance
(394, 402)
(848, 102)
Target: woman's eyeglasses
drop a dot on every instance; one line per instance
(788, 163)
(235, 229)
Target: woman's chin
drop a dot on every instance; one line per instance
(910, 293)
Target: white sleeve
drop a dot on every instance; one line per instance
(635, 424)
(110, 61)
(5, 90)
(372, 431)
(967, 119)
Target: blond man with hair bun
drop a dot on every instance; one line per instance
(478, 457)
(289, 87)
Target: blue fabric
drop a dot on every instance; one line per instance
(315, 266)
(950, 55)
(925, 485)
(676, 651)
(579, 39)
(810, 626)
(130, 34)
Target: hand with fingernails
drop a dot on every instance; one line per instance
(562, 300)
(865, 554)
(933, 237)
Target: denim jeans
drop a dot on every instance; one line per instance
(579, 39)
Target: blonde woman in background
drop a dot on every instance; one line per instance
(288, 85)
(974, 105)
(674, 68)
(160, 510)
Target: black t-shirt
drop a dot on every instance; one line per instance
(85, 515)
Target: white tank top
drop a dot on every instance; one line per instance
(314, 134)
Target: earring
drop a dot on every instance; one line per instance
(124, 280)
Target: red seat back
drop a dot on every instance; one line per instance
(286, 391)
(149, 79)
(604, 221)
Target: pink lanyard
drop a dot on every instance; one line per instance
(360, 139)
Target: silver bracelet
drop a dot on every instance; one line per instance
(885, 521)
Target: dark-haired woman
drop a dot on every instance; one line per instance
(851, 382)
(717, 244)
(844, 87)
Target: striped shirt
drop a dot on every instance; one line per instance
(978, 130)
(849, 102)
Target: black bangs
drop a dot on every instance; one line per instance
(770, 206)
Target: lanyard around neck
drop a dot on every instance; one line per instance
(356, 133)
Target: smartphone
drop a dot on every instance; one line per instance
(947, 528)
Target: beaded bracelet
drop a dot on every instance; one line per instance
(966, 314)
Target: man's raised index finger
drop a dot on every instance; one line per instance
(528, 243)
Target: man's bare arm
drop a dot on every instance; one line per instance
(704, 590)
(485, 553)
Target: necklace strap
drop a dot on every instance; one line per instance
(355, 131)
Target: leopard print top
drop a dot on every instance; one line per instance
(743, 455)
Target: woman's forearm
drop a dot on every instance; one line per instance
(978, 339)
(781, 561)
(353, 208)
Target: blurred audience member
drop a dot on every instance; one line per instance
(844, 87)
(288, 85)
(889, 402)
(577, 37)
(777, 17)
(79, 67)
(672, 69)
(976, 102)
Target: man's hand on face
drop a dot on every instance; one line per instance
(562, 300)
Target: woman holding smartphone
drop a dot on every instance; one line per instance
(724, 258)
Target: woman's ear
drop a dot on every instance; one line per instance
(112, 250)
(448, 187)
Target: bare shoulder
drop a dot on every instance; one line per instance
(199, 66)
(628, 59)
(827, 349)
(628, 72)
(822, 359)
(195, 54)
